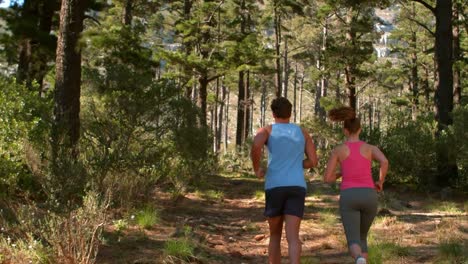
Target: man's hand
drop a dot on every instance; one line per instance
(260, 173)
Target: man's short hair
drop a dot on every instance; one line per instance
(281, 107)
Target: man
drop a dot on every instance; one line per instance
(285, 186)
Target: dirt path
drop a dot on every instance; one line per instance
(228, 227)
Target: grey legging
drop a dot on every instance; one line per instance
(358, 207)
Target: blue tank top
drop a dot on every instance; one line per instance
(286, 145)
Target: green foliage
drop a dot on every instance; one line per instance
(40, 236)
(414, 159)
(458, 145)
(139, 131)
(82, 227)
(27, 250)
(22, 128)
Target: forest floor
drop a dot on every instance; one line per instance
(223, 223)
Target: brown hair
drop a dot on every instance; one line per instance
(281, 107)
(348, 115)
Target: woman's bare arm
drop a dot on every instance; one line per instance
(330, 175)
(380, 157)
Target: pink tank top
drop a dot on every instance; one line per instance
(356, 169)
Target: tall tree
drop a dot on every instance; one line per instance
(68, 75)
(457, 86)
(31, 23)
(281, 10)
(443, 12)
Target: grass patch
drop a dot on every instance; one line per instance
(24, 251)
(316, 193)
(452, 252)
(444, 207)
(259, 195)
(211, 195)
(328, 200)
(182, 249)
(120, 225)
(251, 227)
(147, 217)
(385, 221)
(309, 260)
(328, 218)
(386, 251)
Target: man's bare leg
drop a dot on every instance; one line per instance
(292, 234)
(274, 248)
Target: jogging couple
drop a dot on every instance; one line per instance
(285, 186)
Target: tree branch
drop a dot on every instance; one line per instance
(93, 19)
(425, 4)
(422, 25)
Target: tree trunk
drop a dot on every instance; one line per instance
(68, 75)
(414, 75)
(127, 13)
(246, 110)
(447, 169)
(285, 69)
(301, 88)
(318, 91)
(215, 118)
(350, 68)
(263, 104)
(278, 52)
(226, 123)
(324, 81)
(351, 85)
(220, 116)
(23, 72)
(23, 75)
(295, 95)
(34, 50)
(240, 110)
(427, 88)
(457, 88)
(189, 90)
(43, 57)
(202, 95)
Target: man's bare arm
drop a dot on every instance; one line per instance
(256, 152)
(310, 152)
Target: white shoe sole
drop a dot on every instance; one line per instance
(361, 261)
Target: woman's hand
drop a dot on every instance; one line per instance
(379, 186)
(260, 173)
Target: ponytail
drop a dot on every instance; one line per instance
(348, 115)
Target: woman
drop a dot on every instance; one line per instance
(285, 186)
(358, 197)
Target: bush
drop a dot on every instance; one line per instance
(411, 150)
(75, 237)
(40, 236)
(22, 120)
(130, 149)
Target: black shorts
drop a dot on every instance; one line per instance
(287, 200)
